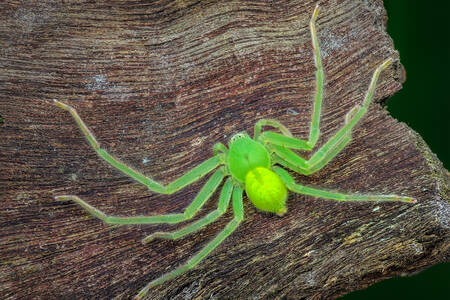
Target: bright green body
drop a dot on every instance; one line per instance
(246, 154)
(250, 165)
(266, 190)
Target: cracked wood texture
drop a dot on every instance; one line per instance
(159, 82)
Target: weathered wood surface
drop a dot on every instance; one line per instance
(160, 82)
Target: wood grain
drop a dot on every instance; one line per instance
(159, 82)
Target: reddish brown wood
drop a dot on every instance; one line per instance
(159, 82)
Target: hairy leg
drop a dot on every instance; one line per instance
(338, 141)
(203, 195)
(293, 161)
(188, 178)
(224, 200)
(305, 190)
(238, 210)
(286, 137)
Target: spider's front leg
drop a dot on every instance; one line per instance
(188, 178)
(336, 143)
(286, 139)
(282, 143)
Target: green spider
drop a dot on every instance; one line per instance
(250, 165)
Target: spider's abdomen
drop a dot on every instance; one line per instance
(266, 190)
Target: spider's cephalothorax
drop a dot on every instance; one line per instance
(250, 164)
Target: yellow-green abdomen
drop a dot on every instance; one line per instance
(266, 190)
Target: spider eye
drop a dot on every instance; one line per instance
(237, 136)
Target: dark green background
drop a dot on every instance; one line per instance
(421, 33)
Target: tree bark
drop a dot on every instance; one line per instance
(159, 82)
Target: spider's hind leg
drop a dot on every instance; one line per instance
(337, 196)
(238, 210)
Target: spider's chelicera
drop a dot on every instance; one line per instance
(248, 164)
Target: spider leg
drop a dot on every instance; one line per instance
(305, 190)
(203, 195)
(291, 160)
(315, 130)
(272, 123)
(238, 210)
(224, 200)
(337, 142)
(356, 114)
(286, 139)
(219, 148)
(275, 138)
(191, 176)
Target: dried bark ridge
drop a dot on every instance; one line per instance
(159, 83)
